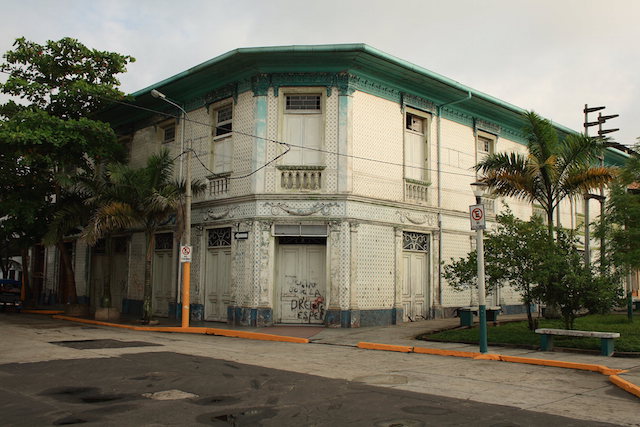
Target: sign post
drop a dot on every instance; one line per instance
(476, 215)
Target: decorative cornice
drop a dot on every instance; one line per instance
(322, 208)
(301, 168)
(487, 126)
(228, 91)
(260, 84)
(345, 84)
(279, 80)
(420, 103)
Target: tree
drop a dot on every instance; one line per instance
(140, 199)
(515, 253)
(572, 286)
(553, 170)
(622, 226)
(52, 133)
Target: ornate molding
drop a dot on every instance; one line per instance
(229, 213)
(228, 91)
(344, 82)
(417, 220)
(487, 127)
(279, 80)
(418, 102)
(322, 208)
(260, 84)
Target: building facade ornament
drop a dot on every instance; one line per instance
(322, 208)
(404, 217)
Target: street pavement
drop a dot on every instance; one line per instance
(529, 390)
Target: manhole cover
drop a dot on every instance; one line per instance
(96, 344)
(170, 395)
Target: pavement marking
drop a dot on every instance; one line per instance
(604, 370)
(191, 330)
(170, 395)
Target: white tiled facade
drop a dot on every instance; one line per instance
(363, 201)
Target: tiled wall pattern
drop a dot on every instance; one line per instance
(377, 134)
(376, 266)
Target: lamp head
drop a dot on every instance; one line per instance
(157, 94)
(479, 188)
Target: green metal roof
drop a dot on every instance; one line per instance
(358, 59)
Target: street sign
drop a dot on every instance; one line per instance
(185, 253)
(241, 235)
(476, 214)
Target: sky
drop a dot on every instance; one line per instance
(550, 56)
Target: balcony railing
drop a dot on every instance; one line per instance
(218, 185)
(416, 191)
(299, 178)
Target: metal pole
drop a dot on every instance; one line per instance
(482, 307)
(186, 268)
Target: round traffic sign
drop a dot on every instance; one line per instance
(476, 214)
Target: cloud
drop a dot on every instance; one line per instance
(549, 56)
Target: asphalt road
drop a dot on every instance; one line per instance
(124, 390)
(60, 373)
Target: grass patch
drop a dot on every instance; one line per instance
(518, 333)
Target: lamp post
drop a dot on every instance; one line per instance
(186, 268)
(478, 223)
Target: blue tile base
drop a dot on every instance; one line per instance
(246, 316)
(196, 311)
(359, 318)
(132, 306)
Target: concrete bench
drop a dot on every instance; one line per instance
(606, 338)
(466, 314)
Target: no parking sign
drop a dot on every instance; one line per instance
(476, 214)
(185, 253)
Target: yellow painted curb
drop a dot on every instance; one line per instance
(30, 311)
(610, 372)
(439, 352)
(625, 385)
(194, 330)
(385, 347)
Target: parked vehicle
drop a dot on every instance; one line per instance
(10, 294)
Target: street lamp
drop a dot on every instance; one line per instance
(186, 268)
(478, 191)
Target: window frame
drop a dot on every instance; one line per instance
(284, 92)
(225, 138)
(426, 118)
(485, 137)
(163, 127)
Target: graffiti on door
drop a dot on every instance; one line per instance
(307, 303)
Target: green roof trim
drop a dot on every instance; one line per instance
(364, 68)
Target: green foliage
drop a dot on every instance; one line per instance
(518, 333)
(539, 267)
(621, 224)
(139, 198)
(48, 132)
(515, 253)
(553, 170)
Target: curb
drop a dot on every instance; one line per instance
(604, 370)
(34, 311)
(190, 330)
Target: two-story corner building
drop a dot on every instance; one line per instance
(338, 183)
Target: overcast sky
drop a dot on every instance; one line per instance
(551, 56)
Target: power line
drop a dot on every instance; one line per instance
(288, 143)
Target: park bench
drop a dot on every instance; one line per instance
(466, 314)
(606, 338)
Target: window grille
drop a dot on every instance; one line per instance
(164, 241)
(303, 102)
(415, 241)
(219, 237)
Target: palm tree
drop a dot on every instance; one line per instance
(553, 170)
(140, 199)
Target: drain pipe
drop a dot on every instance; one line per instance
(439, 173)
